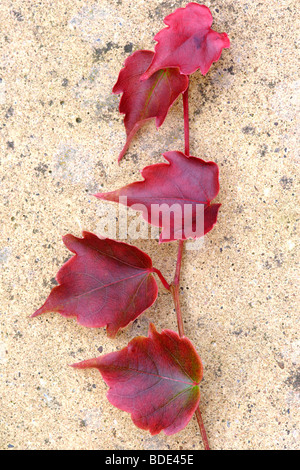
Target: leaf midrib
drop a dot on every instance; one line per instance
(191, 384)
(105, 286)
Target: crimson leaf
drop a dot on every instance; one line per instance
(105, 283)
(188, 42)
(143, 100)
(156, 379)
(169, 190)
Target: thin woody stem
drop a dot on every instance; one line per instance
(176, 281)
(202, 429)
(185, 98)
(174, 288)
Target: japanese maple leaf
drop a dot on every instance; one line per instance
(151, 98)
(105, 283)
(156, 379)
(171, 194)
(188, 42)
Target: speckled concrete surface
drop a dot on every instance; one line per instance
(60, 137)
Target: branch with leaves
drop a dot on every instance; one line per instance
(108, 283)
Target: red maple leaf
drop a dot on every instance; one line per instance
(156, 379)
(147, 99)
(188, 43)
(170, 194)
(105, 283)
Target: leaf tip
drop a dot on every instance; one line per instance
(152, 330)
(75, 365)
(39, 311)
(226, 41)
(35, 314)
(88, 364)
(112, 331)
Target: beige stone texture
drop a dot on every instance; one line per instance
(61, 132)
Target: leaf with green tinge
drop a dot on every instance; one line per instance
(147, 99)
(155, 378)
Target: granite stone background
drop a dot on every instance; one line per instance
(60, 135)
